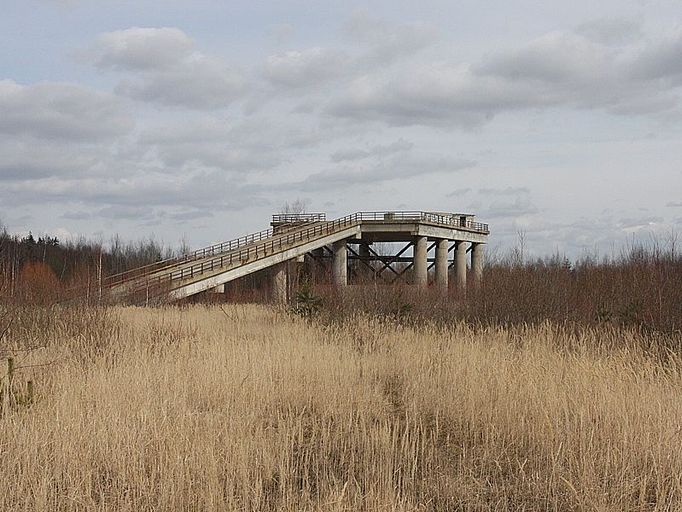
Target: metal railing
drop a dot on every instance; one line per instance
(277, 243)
(449, 219)
(237, 258)
(230, 245)
(284, 218)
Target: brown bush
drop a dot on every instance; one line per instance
(38, 284)
(641, 289)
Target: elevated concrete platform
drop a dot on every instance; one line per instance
(293, 236)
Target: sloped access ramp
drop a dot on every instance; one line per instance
(294, 236)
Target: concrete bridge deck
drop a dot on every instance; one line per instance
(294, 236)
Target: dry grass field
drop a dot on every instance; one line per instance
(247, 408)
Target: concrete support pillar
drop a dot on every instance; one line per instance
(442, 264)
(364, 270)
(421, 275)
(279, 283)
(318, 265)
(477, 261)
(461, 266)
(340, 263)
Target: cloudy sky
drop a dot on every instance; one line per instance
(199, 119)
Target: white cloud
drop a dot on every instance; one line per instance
(385, 42)
(164, 68)
(559, 69)
(142, 49)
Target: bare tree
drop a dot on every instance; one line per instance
(298, 206)
(184, 248)
(519, 252)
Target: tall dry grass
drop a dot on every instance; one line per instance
(249, 409)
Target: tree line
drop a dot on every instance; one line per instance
(38, 268)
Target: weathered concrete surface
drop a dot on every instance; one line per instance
(477, 261)
(461, 266)
(397, 232)
(230, 274)
(340, 263)
(279, 283)
(442, 246)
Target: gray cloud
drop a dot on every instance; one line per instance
(611, 31)
(142, 49)
(77, 215)
(57, 111)
(385, 42)
(207, 143)
(165, 69)
(458, 192)
(508, 191)
(252, 144)
(305, 68)
(197, 190)
(660, 60)
(559, 58)
(436, 95)
(380, 43)
(674, 204)
(22, 160)
(392, 169)
(518, 207)
(187, 215)
(398, 146)
(559, 69)
(638, 222)
(127, 212)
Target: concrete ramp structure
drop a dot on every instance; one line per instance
(335, 243)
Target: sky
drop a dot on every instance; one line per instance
(558, 122)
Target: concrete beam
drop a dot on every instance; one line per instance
(340, 263)
(450, 234)
(442, 264)
(461, 266)
(421, 275)
(378, 232)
